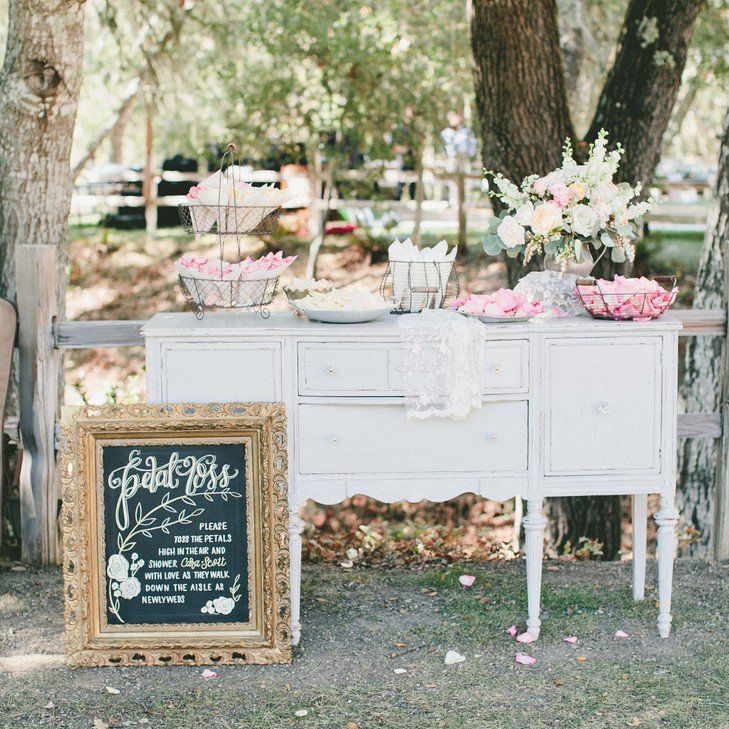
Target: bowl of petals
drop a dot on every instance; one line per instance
(627, 299)
(500, 307)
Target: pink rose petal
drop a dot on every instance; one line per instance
(525, 638)
(571, 639)
(512, 631)
(208, 673)
(524, 659)
(467, 580)
(621, 634)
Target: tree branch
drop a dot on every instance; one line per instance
(642, 85)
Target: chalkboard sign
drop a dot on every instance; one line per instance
(188, 515)
(175, 533)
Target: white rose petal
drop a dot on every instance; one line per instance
(453, 657)
(511, 232)
(583, 220)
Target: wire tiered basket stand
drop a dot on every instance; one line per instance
(229, 219)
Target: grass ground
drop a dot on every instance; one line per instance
(361, 625)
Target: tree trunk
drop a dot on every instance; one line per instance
(642, 85)
(318, 241)
(522, 102)
(39, 88)
(520, 86)
(702, 382)
(418, 221)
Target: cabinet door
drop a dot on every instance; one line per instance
(602, 406)
(221, 372)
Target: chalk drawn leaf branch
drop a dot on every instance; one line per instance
(122, 582)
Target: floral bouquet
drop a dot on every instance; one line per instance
(572, 207)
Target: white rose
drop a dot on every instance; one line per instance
(583, 220)
(223, 605)
(510, 232)
(545, 218)
(524, 213)
(130, 588)
(118, 567)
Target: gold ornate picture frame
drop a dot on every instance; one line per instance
(175, 534)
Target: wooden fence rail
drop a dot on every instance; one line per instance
(43, 337)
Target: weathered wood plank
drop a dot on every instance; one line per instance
(39, 379)
(701, 322)
(699, 425)
(720, 542)
(90, 334)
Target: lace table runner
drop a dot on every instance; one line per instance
(443, 368)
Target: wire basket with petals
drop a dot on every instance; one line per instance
(199, 219)
(627, 299)
(254, 294)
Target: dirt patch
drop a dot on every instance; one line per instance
(362, 624)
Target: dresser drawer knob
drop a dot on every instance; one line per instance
(492, 436)
(496, 369)
(603, 408)
(334, 441)
(331, 370)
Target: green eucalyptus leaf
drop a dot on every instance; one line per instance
(492, 245)
(512, 252)
(617, 255)
(607, 240)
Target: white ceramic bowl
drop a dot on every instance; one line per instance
(341, 316)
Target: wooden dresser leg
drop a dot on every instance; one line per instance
(296, 527)
(666, 518)
(640, 530)
(534, 523)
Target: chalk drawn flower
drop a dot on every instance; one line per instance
(224, 605)
(118, 567)
(130, 588)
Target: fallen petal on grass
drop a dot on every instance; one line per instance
(571, 639)
(512, 631)
(467, 580)
(301, 712)
(453, 657)
(621, 634)
(524, 659)
(113, 691)
(525, 638)
(208, 673)
(400, 671)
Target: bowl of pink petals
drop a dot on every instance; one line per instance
(635, 299)
(503, 305)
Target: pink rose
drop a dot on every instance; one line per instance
(560, 193)
(540, 186)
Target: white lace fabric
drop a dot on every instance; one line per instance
(443, 368)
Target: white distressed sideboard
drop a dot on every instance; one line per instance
(570, 407)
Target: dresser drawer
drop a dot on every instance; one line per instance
(603, 406)
(380, 439)
(350, 369)
(377, 369)
(221, 372)
(506, 367)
